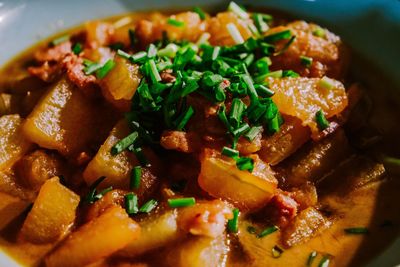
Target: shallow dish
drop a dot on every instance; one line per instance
(371, 28)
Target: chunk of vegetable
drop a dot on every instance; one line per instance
(291, 136)
(98, 33)
(221, 178)
(120, 84)
(13, 144)
(305, 225)
(96, 240)
(10, 208)
(156, 231)
(199, 252)
(219, 32)
(117, 168)
(52, 214)
(62, 120)
(302, 98)
(312, 162)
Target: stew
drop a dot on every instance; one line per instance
(192, 139)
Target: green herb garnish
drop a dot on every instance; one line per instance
(136, 177)
(131, 203)
(356, 231)
(322, 122)
(175, 22)
(268, 231)
(148, 206)
(181, 202)
(233, 224)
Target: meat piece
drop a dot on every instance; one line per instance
(167, 76)
(205, 218)
(282, 208)
(74, 67)
(37, 167)
(329, 56)
(305, 195)
(187, 142)
(55, 53)
(46, 72)
(306, 225)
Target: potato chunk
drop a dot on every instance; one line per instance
(13, 144)
(282, 144)
(96, 240)
(156, 232)
(303, 97)
(199, 252)
(221, 178)
(52, 213)
(307, 224)
(121, 82)
(117, 168)
(62, 120)
(10, 208)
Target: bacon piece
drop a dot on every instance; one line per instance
(180, 141)
(55, 53)
(206, 218)
(283, 208)
(74, 67)
(46, 72)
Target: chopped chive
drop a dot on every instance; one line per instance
(387, 160)
(124, 143)
(306, 61)
(59, 40)
(276, 252)
(324, 261)
(233, 224)
(132, 38)
(245, 163)
(215, 52)
(181, 202)
(326, 83)
(244, 128)
(264, 91)
(123, 54)
(261, 25)
(151, 51)
(148, 206)
(273, 125)
(105, 69)
(183, 120)
(77, 48)
(253, 132)
(237, 112)
(235, 34)
(222, 116)
(200, 12)
(285, 47)
(102, 193)
(90, 197)
(322, 122)
(135, 177)
(154, 75)
(91, 67)
(250, 87)
(138, 57)
(319, 32)
(229, 152)
(311, 258)
(131, 203)
(251, 229)
(290, 73)
(274, 37)
(203, 39)
(356, 231)
(168, 51)
(175, 22)
(235, 8)
(267, 231)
